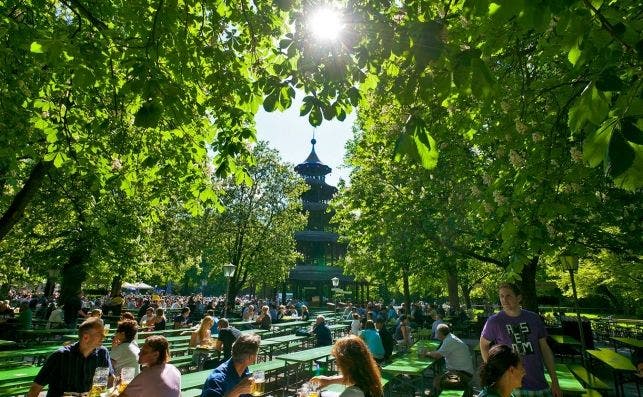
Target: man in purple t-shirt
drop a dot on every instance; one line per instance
(525, 332)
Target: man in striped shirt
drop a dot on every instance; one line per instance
(71, 368)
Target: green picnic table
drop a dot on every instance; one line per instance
(7, 343)
(305, 357)
(164, 332)
(197, 379)
(18, 374)
(631, 343)
(411, 365)
(275, 342)
(565, 340)
(566, 380)
(20, 354)
(617, 363)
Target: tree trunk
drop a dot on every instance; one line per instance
(74, 272)
(466, 295)
(528, 285)
(117, 282)
(407, 292)
(452, 285)
(17, 207)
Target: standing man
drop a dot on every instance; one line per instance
(459, 365)
(72, 308)
(71, 368)
(525, 332)
(231, 378)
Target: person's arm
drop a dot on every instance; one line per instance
(323, 380)
(406, 334)
(34, 390)
(242, 387)
(485, 345)
(548, 360)
(193, 339)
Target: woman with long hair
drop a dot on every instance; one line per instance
(358, 369)
(158, 377)
(203, 333)
(502, 372)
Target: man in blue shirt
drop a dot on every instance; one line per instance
(71, 368)
(323, 336)
(231, 379)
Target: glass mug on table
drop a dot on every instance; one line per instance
(127, 374)
(99, 382)
(258, 383)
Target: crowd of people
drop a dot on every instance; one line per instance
(513, 347)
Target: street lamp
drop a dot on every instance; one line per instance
(228, 272)
(570, 263)
(335, 282)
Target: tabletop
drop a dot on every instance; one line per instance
(19, 373)
(565, 340)
(285, 338)
(7, 343)
(307, 355)
(632, 342)
(409, 364)
(40, 351)
(567, 381)
(615, 361)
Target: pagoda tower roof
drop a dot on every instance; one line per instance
(313, 166)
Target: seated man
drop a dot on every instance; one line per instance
(231, 378)
(227, 336)
(459, 366)
(71, 368)
(323, 336)
(387, 338)
(183, 319)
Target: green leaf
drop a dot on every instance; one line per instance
(574, 54)
(270, 102)
(354, 96)
(315, 116)
(596, 143)
(405, 145)
(307, 105)
(149, 114)
(620, 155)
(36, 47)
(428, 157)
(631, 131)
(609, 81)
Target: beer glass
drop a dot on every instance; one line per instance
(258, 383)
(127, 374)
(312, 389)
(99, 383)
(106, 329)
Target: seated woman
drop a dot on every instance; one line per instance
(157, 378)
(124, 349)
(403, 333)
(373, 340)
(502, 372)
(201, 336)
(305, 314)
(160, 321)
(203, 333)
(358, 368)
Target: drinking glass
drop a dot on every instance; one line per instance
(127, 374)
(258, 383)
(106, 329)
(99, 382)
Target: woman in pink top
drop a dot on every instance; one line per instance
(158, 378)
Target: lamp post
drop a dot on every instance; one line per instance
(570, 263)
(228, 272)
(335, 282)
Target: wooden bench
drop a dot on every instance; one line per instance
(182, 361)
(588, 378)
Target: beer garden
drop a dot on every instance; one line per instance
(494, 141)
